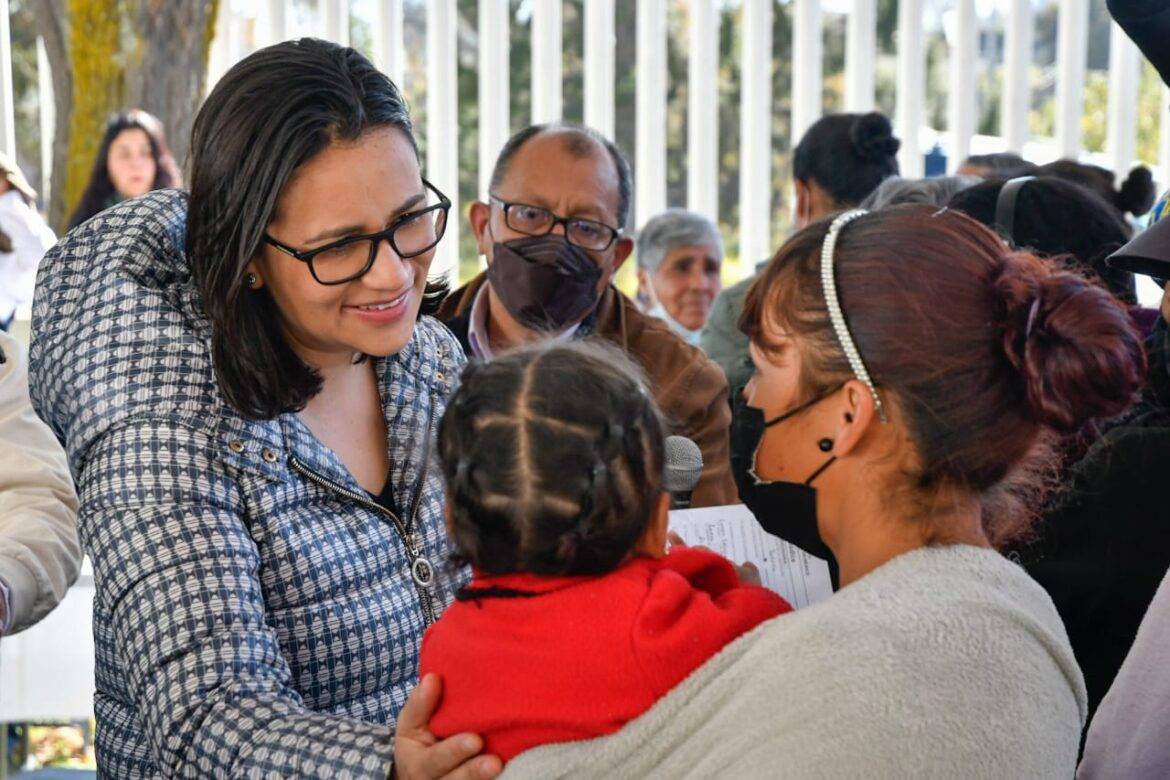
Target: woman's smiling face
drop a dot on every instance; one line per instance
(350, 188)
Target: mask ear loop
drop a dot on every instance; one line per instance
(837, 316)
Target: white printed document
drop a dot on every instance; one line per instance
(733, 532)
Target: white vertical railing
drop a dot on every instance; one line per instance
(961, 98)
(600, 43)
(860, 55)
(1017, 74)
(1124, 72)
(755, 135)
(807, 50)
(650, 120)
(389, 49)
(703, 109)
(7, 103)
(1164, 136)
(494, 114)
(546, 61)
(443, 126)
(277, 21)
(911, 86)
(1071, 51)
(336, 20)
(48, 111)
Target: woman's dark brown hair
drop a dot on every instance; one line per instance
(272, 112)
(979, 348)
(553, 456)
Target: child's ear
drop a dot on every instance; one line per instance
(653, 541)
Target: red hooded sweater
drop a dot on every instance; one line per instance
(527, 660)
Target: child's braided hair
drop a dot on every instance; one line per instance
(553, 456)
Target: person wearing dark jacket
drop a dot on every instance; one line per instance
(1104, 543)
(552, 234)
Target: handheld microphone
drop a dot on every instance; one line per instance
(683, 465)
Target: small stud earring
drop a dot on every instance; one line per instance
(825, 445)
(251, 278)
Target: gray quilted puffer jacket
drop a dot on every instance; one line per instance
(256, 613)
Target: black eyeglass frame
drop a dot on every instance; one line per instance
(306, 256)
(506, 206)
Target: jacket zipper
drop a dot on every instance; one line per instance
(404, 531)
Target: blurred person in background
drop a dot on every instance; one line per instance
(839, 161)
(133, 159)
(24, 239)
(1000, 165)
(1057, 218)
(680, 259)
(1133, 198)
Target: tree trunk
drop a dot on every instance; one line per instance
(111, 55)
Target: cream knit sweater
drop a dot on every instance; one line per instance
(945, 662)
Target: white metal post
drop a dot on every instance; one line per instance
(1164, 146)
(650, 98)
(546, 61)
(703, 109)
(48, 109)
(807, 48)
(1071, 51)
(961, 100)
(443, 127)
(860, 55)
(389, 51)
(494, 116)
(1124, 72)
(599, 65)
(1017, 74)
(278, 21)
(755, 157)
(911, 86)
(7, 105)
(336, 21)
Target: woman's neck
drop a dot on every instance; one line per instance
(879, 530)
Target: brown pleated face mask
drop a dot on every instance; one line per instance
(544, 282)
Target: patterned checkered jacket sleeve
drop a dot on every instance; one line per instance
(252, 618)
(177, 572)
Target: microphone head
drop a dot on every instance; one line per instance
(683, 465)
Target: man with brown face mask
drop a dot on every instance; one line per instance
(552, 232)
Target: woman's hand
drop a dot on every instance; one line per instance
(419, 755)
(747, 571)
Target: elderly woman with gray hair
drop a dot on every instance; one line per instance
(937, 191)
(680, 257)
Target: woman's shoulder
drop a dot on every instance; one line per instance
(118, 329)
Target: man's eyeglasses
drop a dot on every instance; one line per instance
(349, 258)
(537, 221)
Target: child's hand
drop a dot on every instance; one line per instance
(418, 754)
(747, 571)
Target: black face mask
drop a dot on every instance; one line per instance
(544, 282)
(785, 509)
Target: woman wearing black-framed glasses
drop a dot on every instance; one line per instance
(265, 525)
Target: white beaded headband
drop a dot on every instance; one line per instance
(836, 315)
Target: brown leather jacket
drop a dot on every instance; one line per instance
(690, 389)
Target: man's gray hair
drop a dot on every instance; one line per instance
(896, 191)
(672, 229)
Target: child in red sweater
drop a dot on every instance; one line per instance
(576, 619)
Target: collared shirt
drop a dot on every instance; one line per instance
(477, 329)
